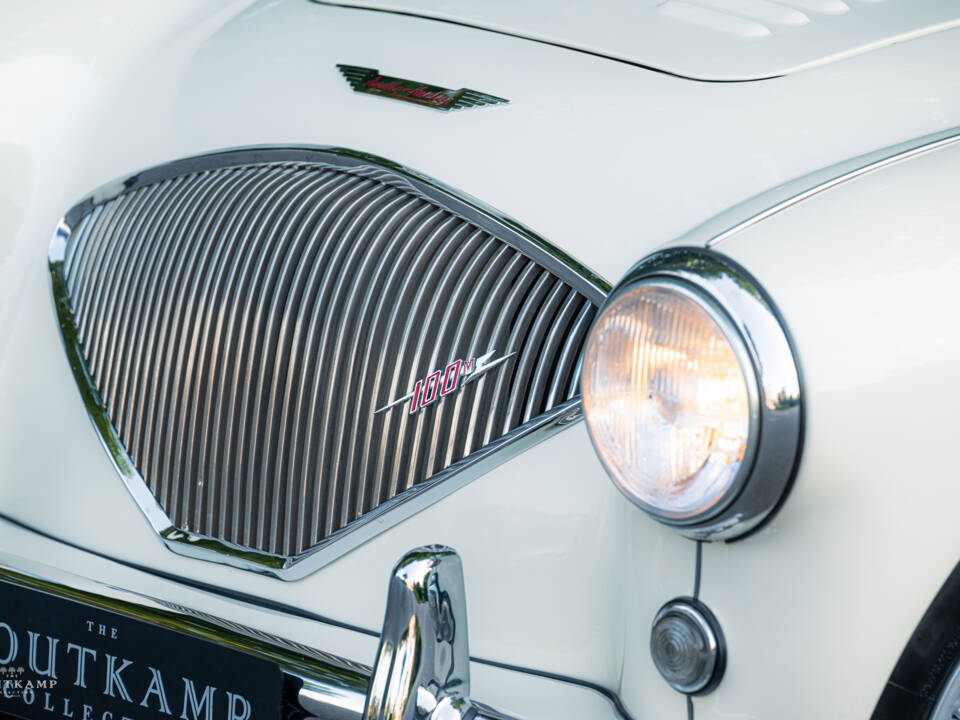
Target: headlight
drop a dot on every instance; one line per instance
(692, 395)
(670, 398)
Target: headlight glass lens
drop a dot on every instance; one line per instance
(667, 400)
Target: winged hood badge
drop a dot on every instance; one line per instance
(369, 80)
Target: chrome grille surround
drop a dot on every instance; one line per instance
(234, 319)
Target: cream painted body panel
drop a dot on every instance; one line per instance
(706, 39)
(605, 160)
(819, 605)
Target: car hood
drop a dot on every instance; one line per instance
(702, 39)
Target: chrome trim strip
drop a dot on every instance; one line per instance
(407, 502)
(758, 208)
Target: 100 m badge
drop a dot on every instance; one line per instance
(62, 659)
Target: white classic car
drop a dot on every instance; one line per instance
(647, 308)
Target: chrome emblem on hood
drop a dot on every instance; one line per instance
(369, 80)
(447, 380)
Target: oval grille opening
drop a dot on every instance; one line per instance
(243, 325)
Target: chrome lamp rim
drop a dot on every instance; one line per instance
(765, 350)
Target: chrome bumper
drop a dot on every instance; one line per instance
(422, 663)
(422, 669)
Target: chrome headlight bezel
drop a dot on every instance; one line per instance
(762, 345)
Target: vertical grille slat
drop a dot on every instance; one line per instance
(487, 265)
(283, 374)
(144, 353)
(89, 285)
(257, 360)
(234, 410)
(523, 388)
(297, 493)
(342, 384)
(327, 403)
(551, 334)
(397, 257)
(101, 301)
(474, 251)
(482, 402)
(228, 516)
(566, 379)
(117, 283)
(475, 331)
(504, 400)
(178, 307)
(179, 424)
(71, 251)
(367, 280)
(128, 319)
(159, 390)
(242, 323)
(198, 466)
(398, 291)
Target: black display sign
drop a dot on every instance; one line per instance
(63, 660)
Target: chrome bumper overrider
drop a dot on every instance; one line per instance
(422, 664)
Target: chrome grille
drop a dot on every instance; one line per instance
(240, 323)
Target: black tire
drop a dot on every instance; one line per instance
(928, 660)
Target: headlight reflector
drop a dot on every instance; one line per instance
(667, 389)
